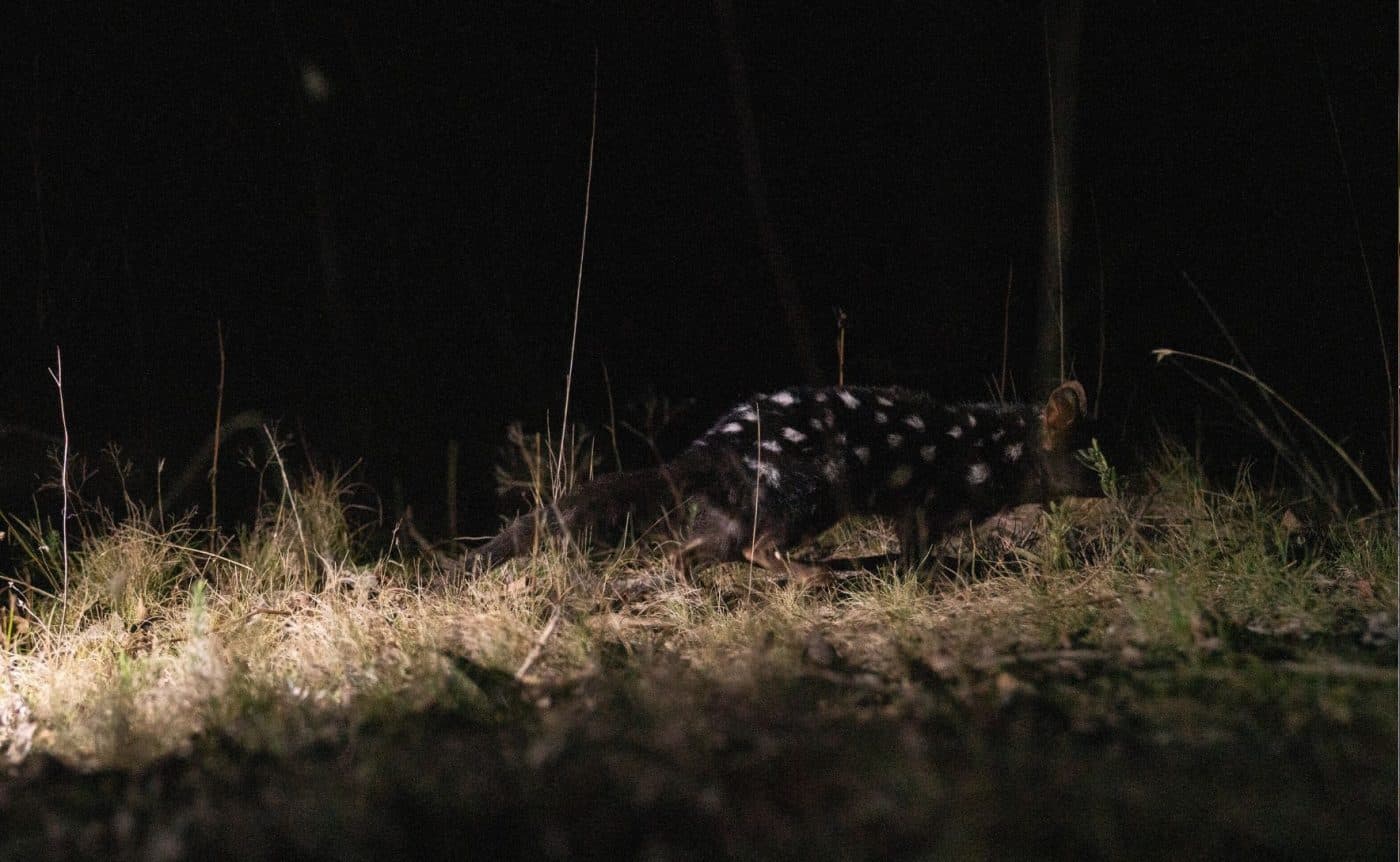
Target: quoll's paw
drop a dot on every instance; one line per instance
(774, 560)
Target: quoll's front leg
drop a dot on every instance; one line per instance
(914, 540)
(690, 555)
(765, 553)
(921, 528)
(715, 537)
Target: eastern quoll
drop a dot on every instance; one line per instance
(779, 469)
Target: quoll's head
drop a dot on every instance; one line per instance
(1065, 436)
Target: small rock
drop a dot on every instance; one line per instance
(1008, 687)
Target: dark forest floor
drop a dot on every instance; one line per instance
(1064, 759)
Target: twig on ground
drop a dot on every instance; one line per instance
(1049, 655)
(420, 540)
(539, 644)
(1364, 672)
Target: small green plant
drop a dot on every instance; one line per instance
(1096, 460)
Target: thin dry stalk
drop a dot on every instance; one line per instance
(1103, 323)
(218, 433)
(1163, 353)
(63, 469)
(757, 479)
(774, 254)
(160, 539)
(290, 497)
(840, 347)
(452, 487)
(578, 288)
(1005, 330)
(41, 296)
(6, 638)
(1282, 427)
(612, 417)
(1365, 259)
(1219, 324)
(160, 500)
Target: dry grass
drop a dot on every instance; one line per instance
(292, 632)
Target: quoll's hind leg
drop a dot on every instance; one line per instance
(765, 553)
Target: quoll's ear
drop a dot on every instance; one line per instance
(1066, 408)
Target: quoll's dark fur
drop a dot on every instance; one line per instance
(801, 459)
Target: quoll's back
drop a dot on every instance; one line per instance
(775, 471)
(805, 458)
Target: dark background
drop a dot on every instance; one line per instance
(393, 258)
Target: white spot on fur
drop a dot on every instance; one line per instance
(955, 432)
(971, 421)
(794, 435)
(894, 440)
(841, 439)
(829, 418)
(915, 422)
(901, 476)
(763, 470)
(732, 428)
(820, 397)
(978, 473)
(1013, 452)
(815, 423)
(880, 417)
(927, 452)
(883, 401)
(785, 398)
(998, 434)
(863, 453)
(748, 414)
(771, 446)
(831, 469)
(848, 399)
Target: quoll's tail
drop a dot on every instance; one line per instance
(602, 508)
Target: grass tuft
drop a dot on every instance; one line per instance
(292, 632)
